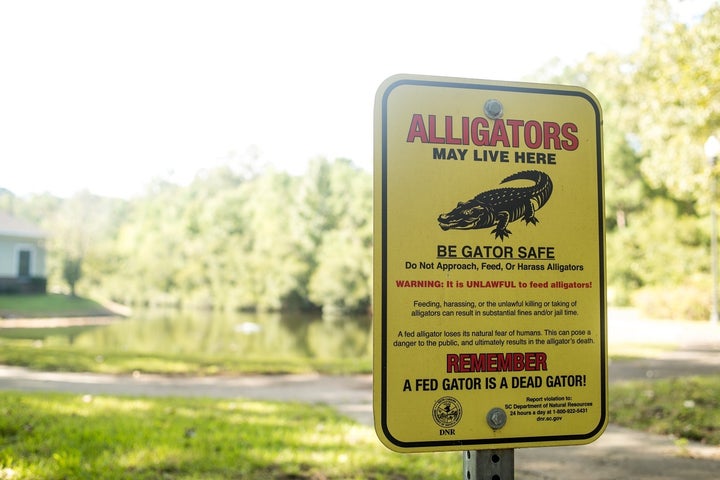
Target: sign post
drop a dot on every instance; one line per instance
(489, 273)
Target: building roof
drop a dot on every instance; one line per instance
(17, 227)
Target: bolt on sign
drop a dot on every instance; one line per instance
(489, 283)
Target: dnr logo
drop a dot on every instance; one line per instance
(447, 412)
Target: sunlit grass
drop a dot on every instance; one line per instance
(39, 356)
(687, 408)
(618, 350)
(71, 436)
(50, 305)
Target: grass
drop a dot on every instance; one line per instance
(618, 351)
(60, 436)
(39, 356)
(40, 333)
(687, 408)
(50, 305)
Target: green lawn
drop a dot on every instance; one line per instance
(50, 305)
(59, 436)
(63, 436)
(39, 356)
(687, 408)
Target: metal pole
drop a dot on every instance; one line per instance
(489, 464)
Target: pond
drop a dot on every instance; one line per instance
(204, 333)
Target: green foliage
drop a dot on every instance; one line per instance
(687, 408)
(678, 302)
(266, 241)
(676, 101)
(72, 272)
(342, 277)
(660, 246)
(659, 106)
(56, 436)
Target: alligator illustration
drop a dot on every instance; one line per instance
(501, 206)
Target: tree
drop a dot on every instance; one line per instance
(71, 272)
(659, 105)
(675, 104)
(342, 277)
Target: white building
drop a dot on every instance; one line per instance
(22, 256)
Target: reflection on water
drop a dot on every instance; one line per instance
(250, 335)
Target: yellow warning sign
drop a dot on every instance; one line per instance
(489, 283)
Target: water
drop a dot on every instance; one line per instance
(250, 335)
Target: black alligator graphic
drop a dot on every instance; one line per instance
(501, 206)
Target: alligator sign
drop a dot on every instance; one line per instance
(489, 276)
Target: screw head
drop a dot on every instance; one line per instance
(496, 418)
(493, 109)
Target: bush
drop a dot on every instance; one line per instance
(682, 302)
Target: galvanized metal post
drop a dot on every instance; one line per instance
(489, 464)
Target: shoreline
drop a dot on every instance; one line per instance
(58, 322)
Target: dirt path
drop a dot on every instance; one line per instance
(618, 454)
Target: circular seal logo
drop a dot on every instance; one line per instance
(447, 412)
